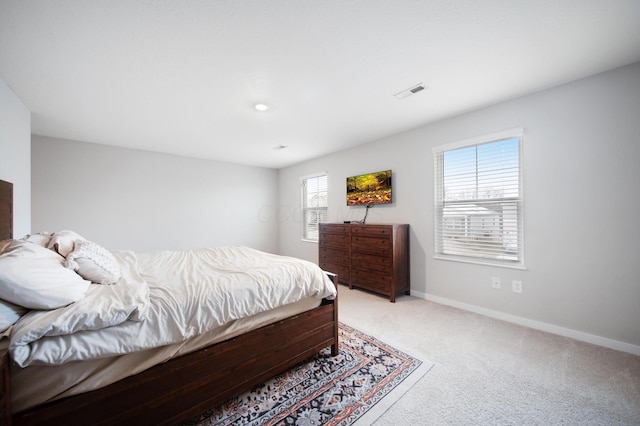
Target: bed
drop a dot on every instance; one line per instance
(208, 361)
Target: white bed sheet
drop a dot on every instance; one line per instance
(189, 293)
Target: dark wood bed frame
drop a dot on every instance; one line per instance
(184, 387)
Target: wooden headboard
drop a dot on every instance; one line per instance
(6, 210)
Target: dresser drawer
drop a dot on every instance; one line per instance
(339, 257)
(380, 246)
(338, 241)
(341, 270)
(369, 262)
(371, 230)
(329, 229)
(371, 280)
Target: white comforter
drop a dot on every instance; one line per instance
(164, 298)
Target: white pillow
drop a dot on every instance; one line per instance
(34, 277)
(94, 263)
(41, 238)
(9, 314)
(63, 241)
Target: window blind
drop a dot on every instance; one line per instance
(314, 205)
(478, 200)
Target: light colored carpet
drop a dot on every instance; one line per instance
(352, 388)
(490, 372)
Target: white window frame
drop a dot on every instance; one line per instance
(321, 212)
(443, 248)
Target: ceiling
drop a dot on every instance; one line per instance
(182, 77)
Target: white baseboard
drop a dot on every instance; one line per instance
(538, 325)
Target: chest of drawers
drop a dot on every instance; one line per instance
(372, 257)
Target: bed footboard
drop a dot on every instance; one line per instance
(184, 387)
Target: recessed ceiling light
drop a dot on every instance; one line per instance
(261, 107)
(280, 147)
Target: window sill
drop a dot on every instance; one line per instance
(483, 262)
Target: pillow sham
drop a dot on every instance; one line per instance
(9, 314)
(63, 241)
(33, 277)
(93, 262)
(41, 238)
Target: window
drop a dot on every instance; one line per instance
(478, 200)
(314, 205)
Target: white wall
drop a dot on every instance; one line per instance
(15, 155)
(581, 157)
(130, 199)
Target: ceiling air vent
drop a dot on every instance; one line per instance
(410, 91)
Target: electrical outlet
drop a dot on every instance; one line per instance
(516, 286)
(495, 282)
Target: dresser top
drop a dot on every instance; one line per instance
(367, 224)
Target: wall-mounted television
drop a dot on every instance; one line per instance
(369, 188)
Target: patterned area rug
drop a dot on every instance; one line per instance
(356, 386)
